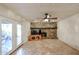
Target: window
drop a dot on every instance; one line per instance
(18, 34)
(6, 37)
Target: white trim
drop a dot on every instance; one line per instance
(14, 36)
(13, 50)
(0, 41)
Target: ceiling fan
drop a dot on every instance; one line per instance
(48, 17)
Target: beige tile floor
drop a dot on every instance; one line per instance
(45, 47)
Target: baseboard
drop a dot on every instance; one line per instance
(13, 50)
(10, 52)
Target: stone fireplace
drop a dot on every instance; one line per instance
(39, 31)
(46, 30)
(50, 33)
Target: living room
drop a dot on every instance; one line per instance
(39, 29)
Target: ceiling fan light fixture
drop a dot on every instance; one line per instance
(46, 20)
(46, 16)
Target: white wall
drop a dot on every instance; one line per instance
(25, 31)
(5, 12)
(7, 15)
(68, 31)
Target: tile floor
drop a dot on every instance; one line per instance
(45, 47)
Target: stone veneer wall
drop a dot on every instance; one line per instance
(51, 33)
(49, 28)
(44, 25)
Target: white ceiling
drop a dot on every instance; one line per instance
(34, 11)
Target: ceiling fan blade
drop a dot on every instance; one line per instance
(52, 18)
